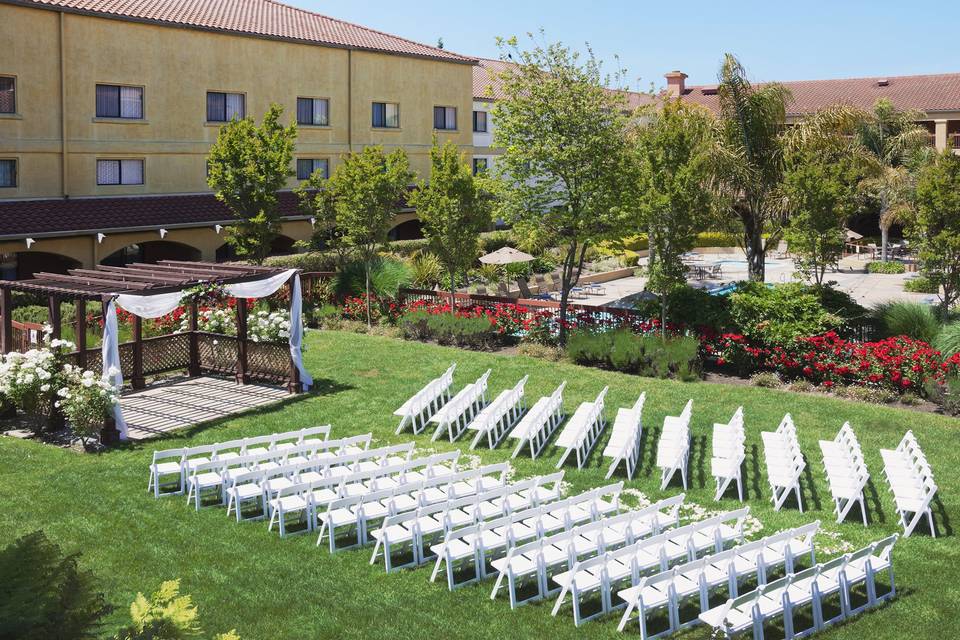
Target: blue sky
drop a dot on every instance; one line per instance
(775, 40)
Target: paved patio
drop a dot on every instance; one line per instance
(187, 402)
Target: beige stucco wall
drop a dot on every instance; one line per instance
(176, 68)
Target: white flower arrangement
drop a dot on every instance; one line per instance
(270, 326)
(212, 321)
(86, 400)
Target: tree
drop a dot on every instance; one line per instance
(673, 201)
(820, 189)
(44, 593)
(564, 165)
(747, 159)
(366, 189)
(453, 211)
(317, 201)
(247, 166)
(895, 146)
(936, 226)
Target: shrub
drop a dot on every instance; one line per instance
(921, 284)
(910, 319)
(886, 267)
(542, 351)
(425, 271)
(310, 261)
(946, 393)
(645, 355)
(872, 395)
(691, 307)
(778, 315)
(408, 247)
(545, 263)
(167, 615)
(325, 315)
(447, 329)
(766, 379)
(947, 341)
(45, 594)
(86, 400)
(387, 276)
(801, 386)
(629, 259)
(910, 399)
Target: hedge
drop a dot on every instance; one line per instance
(886, 267)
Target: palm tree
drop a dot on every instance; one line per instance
(748, 158)
(894, 146)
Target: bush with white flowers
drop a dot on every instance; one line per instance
(270, 326)
(29, 379)
(213, 320)
(86, 400)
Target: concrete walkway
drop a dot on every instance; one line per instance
(187, 402)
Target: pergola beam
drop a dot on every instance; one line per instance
(118, 285)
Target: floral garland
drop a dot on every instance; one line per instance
(205, 293)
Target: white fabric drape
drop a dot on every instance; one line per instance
(296, 334)
(110, 357)
(259, 288)
(155, 306)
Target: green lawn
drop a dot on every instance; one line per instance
(242, 576)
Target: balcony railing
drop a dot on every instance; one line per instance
(953, 141)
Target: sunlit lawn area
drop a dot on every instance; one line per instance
(266, 587)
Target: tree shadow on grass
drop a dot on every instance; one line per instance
(699, 459)
(752, 474)
(808, 486)
(648, 457)
(871, 499)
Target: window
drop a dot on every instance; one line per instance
(386, 115)
(8, 95)
(479, 166)
(307, 166)
(119, 172)
(119, 102)
(224, 107)
(480, 121)
(8, 173)
(445, 118)
(313, 111)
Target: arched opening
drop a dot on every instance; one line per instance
(409, 230)
(150, 252)
(22, 265)
(281, 246)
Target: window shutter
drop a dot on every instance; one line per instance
(108, 101)
(8, 102)
(131, 102)
(108, 172)
(304, 111)
(8, 173)
(216, 107)
(131, 171)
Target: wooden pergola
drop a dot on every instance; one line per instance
(196, 351)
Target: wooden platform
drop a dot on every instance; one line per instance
(190, 401)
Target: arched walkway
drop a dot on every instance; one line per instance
(150, 252)
(25, 263)
(282, 245)
(409, 230)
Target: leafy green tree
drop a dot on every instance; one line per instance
(820, 189)
(673, 199)
(366, 190)
(44, 595)
(247, 166)
(895, 147)
(453, 211)
(317, 201)
(564, 166)
(166, 615)
(936, 226)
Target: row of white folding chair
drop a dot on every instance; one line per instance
(729, 453)
(498, 417)
(482, 542)
(214, 474)
(456, 414)
(911, 482)
(440, 511)
(811, 587)
(357, 511)
(624, 443)
(625, 566)
(424, 403)
(539, 559)
(582, 431)
(692, 583)
(784, 461)
(179, 462)
(846, 472)
(536, 427)
(307, 499)
(252, 482)
(673, 450)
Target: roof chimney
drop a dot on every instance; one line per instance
(882, 82)
(675, 83)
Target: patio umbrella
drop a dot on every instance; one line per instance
(506, 255)
(853, 235)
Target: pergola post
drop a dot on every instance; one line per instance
(81, 305)
(194, 368)
(109, 433)
(6, 310)
(293, 383)
(136, 380)
(53, 315)
(243, 375)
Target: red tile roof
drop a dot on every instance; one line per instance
(487, 85)
(264, 18)
(35, 217)
(927, 93)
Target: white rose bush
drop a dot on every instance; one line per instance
(269, 326)
(86, 400)
(212, 321)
